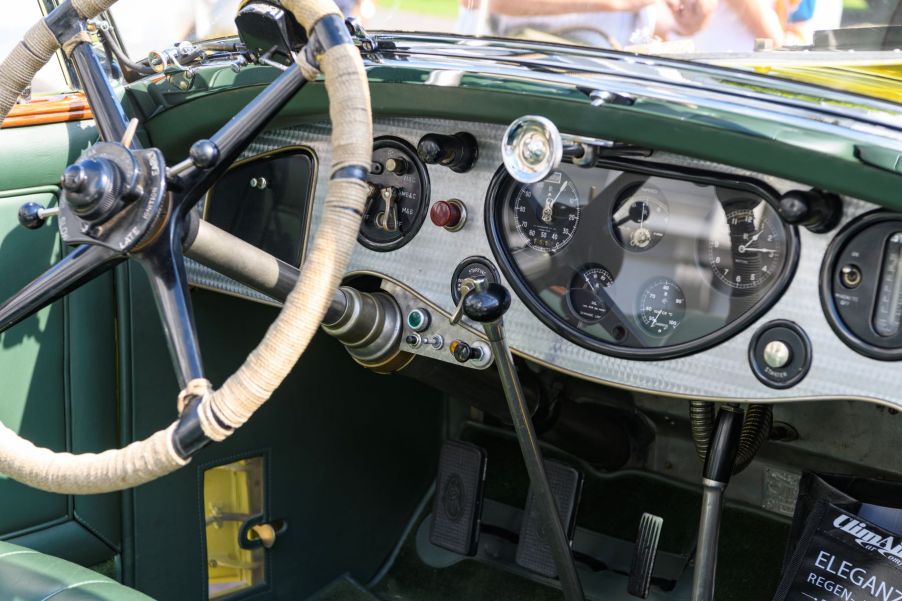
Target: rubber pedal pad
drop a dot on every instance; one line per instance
(644, 555)
(459, 491)
(533, 551)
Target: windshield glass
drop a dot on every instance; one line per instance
(862, 36)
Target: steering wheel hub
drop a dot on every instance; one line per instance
(113, 197)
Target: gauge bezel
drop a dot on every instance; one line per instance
(458, 271)
(495, 234)
(718, 283)
(828, 268)
(410, 153)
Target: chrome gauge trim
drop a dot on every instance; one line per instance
(828, 268)
(495, 203)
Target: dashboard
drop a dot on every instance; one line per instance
(662, 274)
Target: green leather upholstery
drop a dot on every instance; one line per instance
(27, 575)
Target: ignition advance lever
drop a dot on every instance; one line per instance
(718, 469)
(487, 303)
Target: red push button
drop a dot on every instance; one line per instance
(447, 214)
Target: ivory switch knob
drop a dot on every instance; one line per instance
(777, 354)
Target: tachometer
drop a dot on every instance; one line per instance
(662, 306)
(748, 251)
(588, 301)
(640, 219)
(547, 212)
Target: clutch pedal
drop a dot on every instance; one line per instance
(644, 556)
(457, 508)
(533, 552)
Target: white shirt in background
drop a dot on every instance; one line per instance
(725, 32)
(586, 28)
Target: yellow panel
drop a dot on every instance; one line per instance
(233, 493)
(882, 81)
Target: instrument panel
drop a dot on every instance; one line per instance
(430, 263)
(638, 260)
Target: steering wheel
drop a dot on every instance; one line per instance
(120, 202)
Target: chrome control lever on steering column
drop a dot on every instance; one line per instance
(487, 303)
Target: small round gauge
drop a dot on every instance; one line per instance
(640, 218)
(588, 301)
(547, 212)
(662, 306)
(747, 251)
(398, 198)
(472, 267)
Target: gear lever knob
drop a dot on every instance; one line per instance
(487, 302)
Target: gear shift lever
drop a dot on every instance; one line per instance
(487, 303)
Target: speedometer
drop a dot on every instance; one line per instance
(547, 212)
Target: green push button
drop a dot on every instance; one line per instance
(418, 320)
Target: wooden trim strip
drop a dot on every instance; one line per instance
(50, 109)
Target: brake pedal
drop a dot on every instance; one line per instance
(644, 556)
(533, 552)
(457, 508)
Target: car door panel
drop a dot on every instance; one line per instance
(58, 383)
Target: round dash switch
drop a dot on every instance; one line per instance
(780, 354)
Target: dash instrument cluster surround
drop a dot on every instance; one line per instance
(641, 261)
(650, 244)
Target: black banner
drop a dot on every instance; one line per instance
(842, 556)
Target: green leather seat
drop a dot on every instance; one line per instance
(27, 575)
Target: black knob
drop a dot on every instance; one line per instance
(74, 178)
(91, 188)
(458, 152)
(204, 154)
(819, 211)
(463, 352)
(488, 303)
(31, 215)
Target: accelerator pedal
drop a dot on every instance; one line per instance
(457, 509)
(644, 556)
(566, 484)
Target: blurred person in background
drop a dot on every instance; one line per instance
(735, 25)
(596, 23)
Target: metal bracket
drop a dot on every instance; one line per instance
(362, 39)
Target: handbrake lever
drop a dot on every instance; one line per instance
(486, 303)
